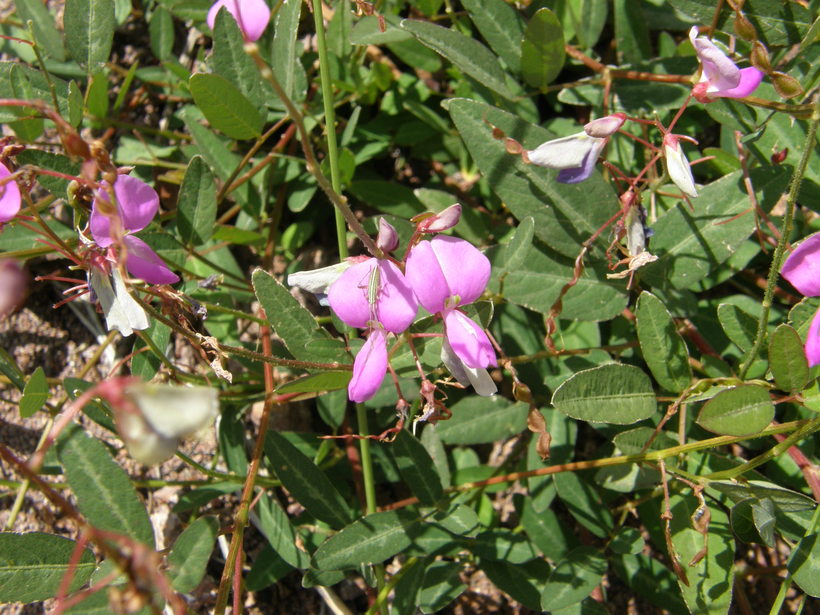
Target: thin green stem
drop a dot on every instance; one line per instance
(330, 122)
(780, 250)
(367, 460)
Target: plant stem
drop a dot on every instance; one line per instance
(330, 122)
(780, 250)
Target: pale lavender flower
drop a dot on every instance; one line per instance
(10, 199)
(574, 156)
(720, 77)
(678, 166)
(252, 16)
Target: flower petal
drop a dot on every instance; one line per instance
(750, 78)
(579, 174)
(369, 367)
(397, 304)
(678, 166)
(10, 199)
(802, 267)
(252, 16)
(425, 276)
(718, 70)
(317, 281)
(468, 340)
(813, 341)
(142, 262)
(119, 308)
(137, 204)
(478, 378)
(348, 295)
(564, 153)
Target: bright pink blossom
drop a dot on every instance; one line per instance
(802, 270)
(10, 199)
(137, 204)
(372, 295)
(447, 273)
(252, 16)
(720, 77)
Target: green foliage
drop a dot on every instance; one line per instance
(655, 401)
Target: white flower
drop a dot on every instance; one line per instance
(678, 166)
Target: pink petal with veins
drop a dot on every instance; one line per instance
(252, 16)
(813, 341)
(10, 198)
(137, 204)
(143, 263)
(468, 340)
(369, 367)
(802, 267)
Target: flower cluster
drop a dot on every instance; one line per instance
(802, 270)
(443, 274)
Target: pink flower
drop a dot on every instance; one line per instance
(446, 273)
(372, 294)
(802, 270)
(137, 204)
(720, 77)
(252, 16)
(10, 199)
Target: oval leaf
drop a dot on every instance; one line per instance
(189, 556)
(32, 566)
(620, 394)
(542, 50)
(662, 346)
(35, 394)
(417, 468)
(804, 565)
(573, 579)
(225, 107)
(196, 207)
(741, 411)
(89, 30)
(787, 359)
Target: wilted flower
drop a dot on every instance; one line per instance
(372, 295)
(678, 166)
(720, 77)
(10, 199)
(442, 221)
(447, 273)
(252, 16)
(802, 270)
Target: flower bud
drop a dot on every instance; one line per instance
(443, 220)
(760, 57)
(14, 287)
(786, 85)
(388, 238)
(605, 126)
(678, 166)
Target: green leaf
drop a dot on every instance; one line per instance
(306, 482)
(417, 468)
(691, 245)
(105, 495)
(710, 580)
(35, 394)
(804, 565)
(584, 502)
(161, 33)
(741, 411)
(542, 50)
(293, 323)
(32, 566)
(45, 32)
(89, 31)
(739, 327)
(196, 206)
(503, 545)
(628, 540)
(620, 394)
(573, 578)
(277, 528)
(785, 499)
(231, 62)
(631, 31)
(146, 364)
(565, 215)
(9, 368)
(501, 26)
(284, 58)
(54, 162)
(441, 586)
(225, 107)
(517, 580)
(189, 556)
(662, 346)
(369, 540)
(470, 56)
(316, 383)
(477, 420)
(787, 359)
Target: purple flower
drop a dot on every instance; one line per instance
(10, 199)
(372, 295)
(137, 204)
(720, 77)
(802, 270)
(447, 273)
(252, 16)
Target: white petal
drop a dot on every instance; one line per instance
(175, 412)
(679, 170)
(317, 281)
(565, 153)
(121, 311)
(477, 377)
